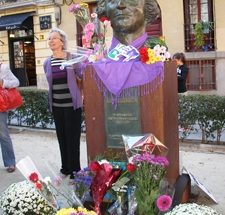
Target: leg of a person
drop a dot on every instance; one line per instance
(6, 142)
(73, 132)
(58, 114)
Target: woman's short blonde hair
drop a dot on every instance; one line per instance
(63, 36)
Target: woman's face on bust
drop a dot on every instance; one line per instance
(126, 15)
(54, 41)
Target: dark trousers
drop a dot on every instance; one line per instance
(68, 130)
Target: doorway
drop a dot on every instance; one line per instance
(22, 55)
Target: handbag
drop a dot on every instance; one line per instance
(10, 99)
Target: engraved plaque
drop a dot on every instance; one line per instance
(122, 119)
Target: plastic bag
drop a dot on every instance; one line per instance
(10, 99)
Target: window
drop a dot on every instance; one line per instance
(198, 11)
(201, 75)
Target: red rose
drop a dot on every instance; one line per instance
(33, 177)
(94, 166)
(131, 167)
(144, 54)
(104, 18)
(143, 50)
(38, 185)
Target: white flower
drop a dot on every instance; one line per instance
(23, 199)
(192, 209)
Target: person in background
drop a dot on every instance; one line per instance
(182, 71)
(7, 80)
(65, 101)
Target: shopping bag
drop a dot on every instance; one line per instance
(10, 99)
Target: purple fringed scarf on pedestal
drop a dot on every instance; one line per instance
(119, 79)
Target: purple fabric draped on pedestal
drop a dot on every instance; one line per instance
(117, 76)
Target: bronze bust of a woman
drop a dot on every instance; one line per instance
(128, 17)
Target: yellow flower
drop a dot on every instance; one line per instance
(66, 211)
(83, 5)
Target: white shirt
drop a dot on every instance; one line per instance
(9, 80)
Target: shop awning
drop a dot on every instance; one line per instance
(13, 21)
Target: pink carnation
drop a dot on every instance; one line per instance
(164, 202)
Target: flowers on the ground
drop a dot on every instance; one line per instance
(83, 179)
(164, 203)
(23, 198)
(72, 211)
(154, 50)
(43, 186)
(104, 176)
(192, 209)
(150, 170)
(131, 167)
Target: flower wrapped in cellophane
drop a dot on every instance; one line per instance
(31, 173)
(105, 174)
(81, 12)
(47, 188)
(83, 180)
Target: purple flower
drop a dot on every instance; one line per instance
(150, 159)
(74, 7)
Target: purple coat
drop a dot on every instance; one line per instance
(72, 74)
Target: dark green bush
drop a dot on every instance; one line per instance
(205, 111)
(34, 112)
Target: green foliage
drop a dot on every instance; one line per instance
(200, 29)
(206, 111)
(34, 112)
(153, 41)
(199, 35)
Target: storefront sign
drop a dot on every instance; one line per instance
(124, 119)
(45, 22)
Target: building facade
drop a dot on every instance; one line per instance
(24, 27)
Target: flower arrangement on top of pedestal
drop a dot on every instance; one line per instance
(192, 209)
(94, 30)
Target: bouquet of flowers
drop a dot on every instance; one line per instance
(192, 209)
(81, 12)
(72, 211)
(23, 198)
(105, 174)
(150, 170)
(153, 51)
(94, 30)
(83, 179)
(48, 190)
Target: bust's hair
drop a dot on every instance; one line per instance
(151, 10)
